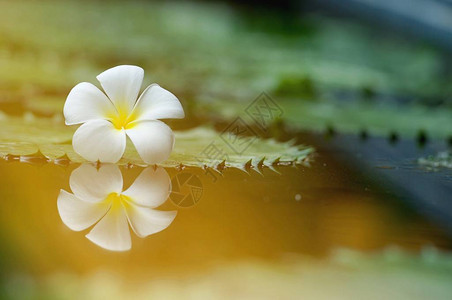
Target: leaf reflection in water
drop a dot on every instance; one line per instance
(98, 197)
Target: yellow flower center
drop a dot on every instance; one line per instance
(123, 119)
(117, 201)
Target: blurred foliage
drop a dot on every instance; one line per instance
(440, 160)
(353, 117)
(196, 147)
(296, 87)
(210, 53)
(345, 275)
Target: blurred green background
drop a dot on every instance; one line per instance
(328, 70)
(339, 72)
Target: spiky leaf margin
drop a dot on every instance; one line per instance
(50, 139)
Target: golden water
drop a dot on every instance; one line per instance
(239, 217)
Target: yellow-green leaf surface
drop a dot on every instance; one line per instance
(26, 136)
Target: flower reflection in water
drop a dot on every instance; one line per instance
(98, 196)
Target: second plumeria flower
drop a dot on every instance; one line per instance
(98, 198)
(107, 119)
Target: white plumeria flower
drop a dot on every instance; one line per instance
(98, 197)
(107, 120)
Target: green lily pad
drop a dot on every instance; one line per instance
(202, 147)
(376, 119)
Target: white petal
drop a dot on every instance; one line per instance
(151, 188)
(78, 214)
(153, 140)
(122, 85)
(99, 140)
(86, 102)
(112, 232)
(146, 221)
(94, 185)
(157, 103)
